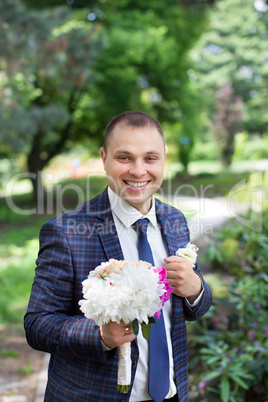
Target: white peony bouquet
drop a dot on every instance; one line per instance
(130, 291)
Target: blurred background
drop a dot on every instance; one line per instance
(201, 68)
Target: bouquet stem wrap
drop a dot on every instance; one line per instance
(124, 368)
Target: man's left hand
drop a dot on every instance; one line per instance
(182, 277)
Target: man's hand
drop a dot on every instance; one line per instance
(182, 278)
(114, 334)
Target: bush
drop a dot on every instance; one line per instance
(206, 151)
(240, 250)
(252, 147)
(229, 346)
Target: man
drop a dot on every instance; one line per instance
(84, 357)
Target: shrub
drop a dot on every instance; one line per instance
(229, 346)
(238, 249)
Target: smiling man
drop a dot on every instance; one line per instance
(133, 159)
(84, 357)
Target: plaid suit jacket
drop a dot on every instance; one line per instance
(70, 246)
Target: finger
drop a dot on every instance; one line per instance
(174, 258)
(172, 274)
(175, 267)
(172, 267)
(128, 329)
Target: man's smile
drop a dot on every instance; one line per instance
(136, 184)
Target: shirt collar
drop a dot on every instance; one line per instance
(127, 213)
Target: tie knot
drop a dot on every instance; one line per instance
(141, 225)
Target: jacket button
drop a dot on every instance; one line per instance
(134, 363)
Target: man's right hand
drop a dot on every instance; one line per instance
(114, 334)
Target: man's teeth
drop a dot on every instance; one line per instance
(133, 184)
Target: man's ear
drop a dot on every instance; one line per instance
(103, 157)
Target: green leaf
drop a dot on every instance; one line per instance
(239, 381)
(146, 329)
(135, 324)
(124, 389)
(212, 360)
(225, 389)
(212, 375)
(152, 320)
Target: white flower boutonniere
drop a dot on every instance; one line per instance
(189, 252)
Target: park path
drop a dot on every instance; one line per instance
(208, 215)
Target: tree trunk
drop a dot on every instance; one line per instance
(35, 166)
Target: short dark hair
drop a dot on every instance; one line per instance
(133, 119)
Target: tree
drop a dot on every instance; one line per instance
(145, 66)
(46, 63)
(227, 121)
(66, 75)
(234, 50)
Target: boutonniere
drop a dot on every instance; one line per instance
(189, 252)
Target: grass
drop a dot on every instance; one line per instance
(9, 353)
(16, 276)
(28, 369)
(19, 242)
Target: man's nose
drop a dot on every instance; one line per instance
(137, 169)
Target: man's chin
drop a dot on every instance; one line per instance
(140, 203)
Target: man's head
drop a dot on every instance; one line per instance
(133, 157)
(131, 119)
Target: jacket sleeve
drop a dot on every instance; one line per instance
(194, 313)
(51, 323)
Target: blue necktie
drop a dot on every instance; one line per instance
(158, 349)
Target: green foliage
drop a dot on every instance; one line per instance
(65, 76)
(16, 276)
(19, 247)
(46, 62)
(9, 353)
(227, 121)
(239, 249)
(205, 151)
(229, 347)
(253, 147)
(28, 369)
(234, 50)
(204, 184)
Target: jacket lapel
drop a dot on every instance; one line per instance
(175, 230)
(175, 233)
(106, 229)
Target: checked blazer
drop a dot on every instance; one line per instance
(70, 246)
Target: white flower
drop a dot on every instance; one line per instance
(189, 252)
(131, 292)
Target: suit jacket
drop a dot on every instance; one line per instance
(70, 246)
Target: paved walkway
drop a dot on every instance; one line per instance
(208, 214)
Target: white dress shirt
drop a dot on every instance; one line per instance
(124, 216)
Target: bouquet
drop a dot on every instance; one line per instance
(130, 291)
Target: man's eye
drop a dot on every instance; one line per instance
(123, 158)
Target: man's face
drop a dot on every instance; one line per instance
(134, 164)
